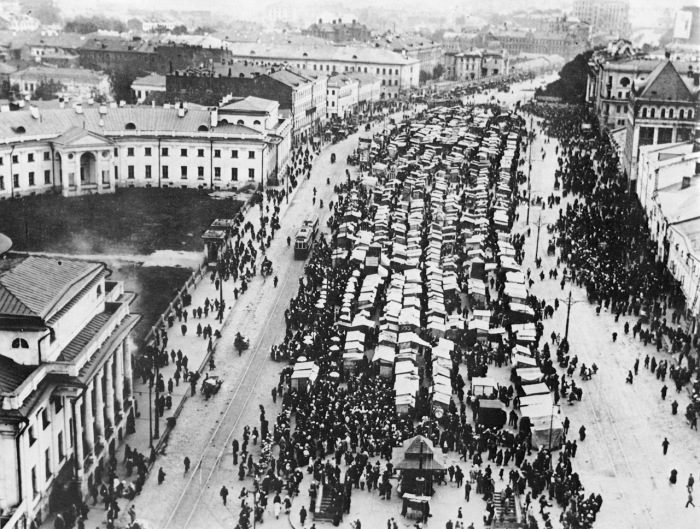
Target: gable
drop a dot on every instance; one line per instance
(666, 83)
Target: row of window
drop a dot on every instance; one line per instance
(30, 177)
(165, 173)
(332, 68)
(651, 113)
(165, 151)
(30, 158)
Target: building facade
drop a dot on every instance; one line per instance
(77, 82)
(608, 17)
(65, 381)
(339, 31)
(661, 109)
(77, 151)
(476, 64)
(397, 73)
(342, 96)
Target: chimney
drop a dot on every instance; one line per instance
(690, 71)
(667, 55)
(686, 182)
(696, 79)
(214, 117)
(62, 104)
(34, 111)
(103, 110)
(102, 122)
(122, 103)
(78, 108)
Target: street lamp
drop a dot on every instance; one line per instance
(539, 225)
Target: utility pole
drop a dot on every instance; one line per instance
(156, 430)
(537, 244)
(529, 170)
(568, 313)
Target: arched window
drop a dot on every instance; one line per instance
(240, 122)
(663, 113)
(624, 82)
(653, 113)
(670, 113)
(681, 114)
(20, 343)
(690, 113)
(256, 122)
(644, 112)
(203, 128)
(130, 126)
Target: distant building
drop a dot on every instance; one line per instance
(686, 33)
(608, 17)
(397, 73)
(339, 31)
(369, 91)
(56, 50)
(428, 52)
(20, 22)
(476, 64)
(147, 86)
(95, 149)
(343, 96)
(65, 381)
(77, 82)
(661, 109)
(568, 44)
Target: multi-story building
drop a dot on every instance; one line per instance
(77, 82)
(76, 151)
(397, 73)
(342, 96)
(608, 17)
(369, 91)
(428, 52)
(65, 381)
(661, 109)
(565, 43)
(476, 64)
(300, 93)
(339, 31)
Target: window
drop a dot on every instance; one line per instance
(47, 176)
(31, 178)
(15, 158)
(217, 153)
(32, 436)
(383, 71)
(217, 173)
(256, 122)
(61, 455)
(690, 113)
(234, 174)
(200, 153)
(663, 113)
(58, 404)
(45, 418)
(148, 171)
(147, 151)
(30, 157)
(653, 113)
(200, 172)
(234, 153)
(183, 153)
(116, 151)
(183, 172)
(644, 112)
(47, 156)
(129, 151)
(130, 170)
(35, 489)
(165, 172)
(618, 108)
(251, 174)
(251, 155)
(116, 172)
(681, 113)
(47, 461)
(164, 151)
(20, 343)
(2, 183)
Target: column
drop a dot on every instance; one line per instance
(89, 419)
(78, 420)
(128, 373)
(78, 180)
(109, 392)
(119, 380)
(99, 410)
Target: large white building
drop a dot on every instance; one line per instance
(343, 96)
(76, 151)
(397, 73)
(65, 381)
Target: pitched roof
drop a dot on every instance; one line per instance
(153, 79)
(250, 104)
(36, 284)
(665, 82)
(414, 446)
(12, 374)
(41, 73)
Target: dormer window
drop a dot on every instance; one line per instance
(130, 126)
(203, 128)
(20, 343)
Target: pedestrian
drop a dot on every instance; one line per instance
(302, 515)
(663, 392)
(224, 494)
(161, 476)
(132, 514)
(690, 500)
(691, 482)
(187, 464)
(275, 281)
(467, 490)
(274, 394)
(665, 445)
(614, 337)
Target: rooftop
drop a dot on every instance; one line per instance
(60, 74)
(153, 79)
(680, 204)
(12, 374)
(318, 53)
(33, 286)
(251, 104)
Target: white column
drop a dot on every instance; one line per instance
(109, 392)
(89, 419)
(99, 409)
(128, 372)
(119, 380)
(78, 420)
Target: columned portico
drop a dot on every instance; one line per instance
(89, 418)
(78, 419)
(99, 410)
(109, 393)
(128, 371)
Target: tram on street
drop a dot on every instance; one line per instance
(306, 236)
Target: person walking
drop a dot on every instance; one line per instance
(691, 482)
(664, 390)
(224, 494)
(161, 476)
(186, 462)
(467, 490)
(302, 515)
(665, 445)
(690, 500)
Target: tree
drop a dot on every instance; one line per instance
(85, 25)
(423, 77)
(121, 81)
(573, 79)
(438, 71)
(180, 30)
(48, 90)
